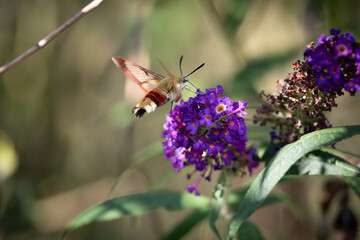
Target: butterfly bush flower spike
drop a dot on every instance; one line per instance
(302, 98)
(208, 132)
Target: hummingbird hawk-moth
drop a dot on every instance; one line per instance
(159, 89)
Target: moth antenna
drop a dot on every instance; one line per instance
(181, 58)
(195, 69)
(168, 72)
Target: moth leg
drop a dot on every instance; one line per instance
(190, 89)
(171, 106)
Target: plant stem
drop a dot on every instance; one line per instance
(43, 42)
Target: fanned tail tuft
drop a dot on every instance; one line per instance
(138, 112)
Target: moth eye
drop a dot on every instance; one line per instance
(185, 79)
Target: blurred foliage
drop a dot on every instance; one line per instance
(8, 157)
(229, 14)
(255, 69)
(65, 113)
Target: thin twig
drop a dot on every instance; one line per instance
(43, 42)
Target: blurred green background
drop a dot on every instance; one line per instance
(66, 129)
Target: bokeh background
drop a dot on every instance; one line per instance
(67, 136)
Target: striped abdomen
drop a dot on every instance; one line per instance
(150, 102)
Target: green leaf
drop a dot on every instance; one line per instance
(340, 153)
(354, 183)
(249, 231)
(280, 164)
(216, 203)
(138, 204)
(233, 200)
(186, 225)
(236, 197)
(323, 163)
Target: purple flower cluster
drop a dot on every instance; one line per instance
(335, 62)
(208, 133)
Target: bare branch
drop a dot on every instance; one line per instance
(43, 42)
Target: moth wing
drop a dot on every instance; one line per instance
(145, 78)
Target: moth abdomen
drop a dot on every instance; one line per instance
(150, 102)
(157, 96)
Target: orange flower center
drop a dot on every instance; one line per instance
(220, 108)
(341, 48)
